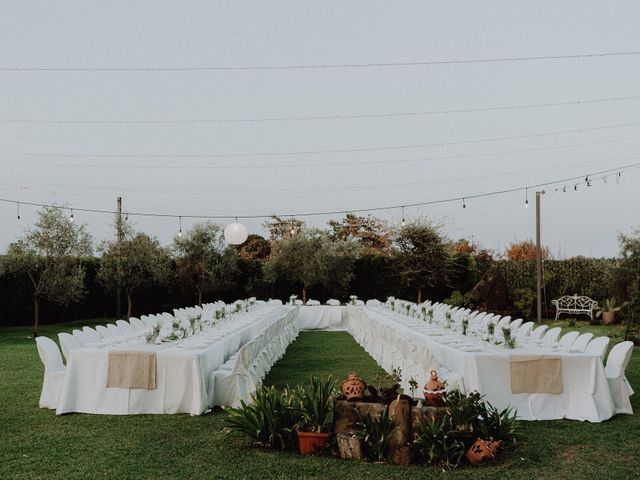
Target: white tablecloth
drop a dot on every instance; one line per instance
(323, 317)
(182, 376)
(585, 396)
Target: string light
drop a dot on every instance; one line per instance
(403, 222)
(618, 172)
(526, 198)
(180, 227)
(18, 210)
(71, 216)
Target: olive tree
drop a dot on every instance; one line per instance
(202, 258)
(312, 259)
(629, 268)
(423, 256)
(132, 263)
(50, 255)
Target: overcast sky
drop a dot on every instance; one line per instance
(196, 169)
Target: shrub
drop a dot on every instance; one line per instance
(458, 299)
(523, 300)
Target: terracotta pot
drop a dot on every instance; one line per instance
(482, 450)
(608, 318)
(434, 391)
(353, 387)
(312, 442)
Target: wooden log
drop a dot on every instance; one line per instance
(399, 451)
(350, 446)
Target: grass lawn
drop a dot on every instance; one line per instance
(34, 443)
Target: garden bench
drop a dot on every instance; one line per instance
(574, 304)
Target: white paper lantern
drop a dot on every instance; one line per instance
(235, 233)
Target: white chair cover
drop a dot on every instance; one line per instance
(568, 338)
(617, 363)
(580, 344)
(53, 372)
(373, 303)
(538, 332)
(333, 302)
(598, 346)
(552, 335)
(68, 343)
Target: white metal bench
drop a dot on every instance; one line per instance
(575, 305)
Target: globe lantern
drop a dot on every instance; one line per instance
(235, 233)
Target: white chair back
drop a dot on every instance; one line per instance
(68, 343)
(538, 332)
(618, 359)
(103, 331)
(515, 325)
(526, 329)
(49, 354)
(552, 335)
(580, 344)
(568, 338)
(598, 346)
(373, 303)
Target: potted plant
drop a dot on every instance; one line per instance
(315, 406)
(608, 311)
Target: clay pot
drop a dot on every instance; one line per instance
(482, 450)
(312, 442)
(353, 387)
(608, 318)
(434, 391)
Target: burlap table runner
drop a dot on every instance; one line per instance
(534, 374)
(132, 370)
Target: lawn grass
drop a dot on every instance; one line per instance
(34, 443)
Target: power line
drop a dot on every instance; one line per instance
(329, 151)
(321, 66)
(327, 164)
(585, 177)
(29, 121)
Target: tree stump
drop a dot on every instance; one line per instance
(399, 451)
(350, 446)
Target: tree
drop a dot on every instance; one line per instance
(423, 256)
(629, 268)
(202, 257)
(280, 228)
(135, 262)
(525, 250)
(372, 233)
(312, 258)
(254, 248)
(50, 254)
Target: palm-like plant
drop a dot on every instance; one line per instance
(314, 404)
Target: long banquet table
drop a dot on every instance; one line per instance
(184, 368)
(486, 368)
(182, 374)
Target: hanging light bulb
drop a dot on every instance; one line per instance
(180, 230)
(575, 187)
(126, 216)
(564, 189)
(403, 222)
(18, 210)
(526, 198)
(618, 175)
(71, 216)
(464, 205)
(604, 179)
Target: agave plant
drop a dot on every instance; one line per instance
(268, 421)
(314, 403)
(433, 440)
(499, 424)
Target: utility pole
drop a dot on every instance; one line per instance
(538, 259)
(119, 235)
